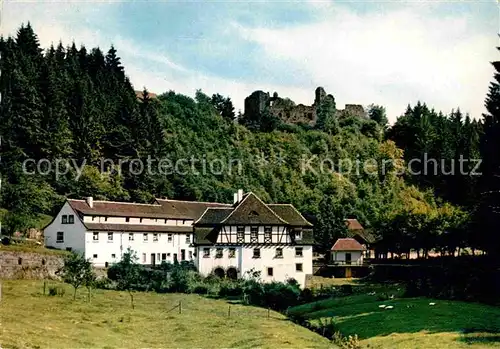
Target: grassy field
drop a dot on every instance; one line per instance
(32, 249)
(412, 323)
(31, 320)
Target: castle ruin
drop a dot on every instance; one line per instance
(286, 110)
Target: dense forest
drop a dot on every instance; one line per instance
(74, 107)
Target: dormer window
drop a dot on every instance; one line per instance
(298, 234)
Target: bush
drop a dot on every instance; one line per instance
(104, 283)
(56, 291)
(346, 289)
(306, 296)
(351, 342)
(230, 289)
(199, 288)
(5, 240)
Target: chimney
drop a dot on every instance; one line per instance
(235, 198)
(90, 201)
(240, 195)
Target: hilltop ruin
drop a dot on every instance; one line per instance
(286, 110)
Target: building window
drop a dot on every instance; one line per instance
(127, 219)
(232, 253)
(130, 236)
(60, 236)
(94, 256)
(218, 253)
(143, 258)
(71, 219)
(110, 236)
(168, 254)
(298, 235)
(267, 234)
(279, 253)
(113, 255)
(163, 256)
(93, 218)
(169, 237)
(69, 249)
(64, 219)
(190, 254)
(298, 267)
(188, 239)
(155, 237)
(298, 251)
(256, 253)
(140, 220)
(254, 234)
(145, 237)
(206, 253)
(95, 236)
(269, 271)
(240, 234)
(105, 219)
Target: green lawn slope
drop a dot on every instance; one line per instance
(31, 320)
(412, 323)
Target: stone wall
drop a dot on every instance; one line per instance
(295, 114)
(28, 265)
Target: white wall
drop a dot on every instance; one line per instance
(105, 249)
(73, 233)
(339, 256)
(283, 268)
(134, 220)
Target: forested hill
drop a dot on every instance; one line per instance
(74, 106)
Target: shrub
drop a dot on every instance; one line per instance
(104, 283)
(306, 296)
(279, 296)
(56, 291)
(5, 240)
(230, 289)
(350, 342)
(199, 288)
(346, 289)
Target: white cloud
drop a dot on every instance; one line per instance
(391, 58)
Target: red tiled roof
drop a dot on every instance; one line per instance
(347, 244)
(353, 224)
(187, 209)
(150, 94)
(119, 209)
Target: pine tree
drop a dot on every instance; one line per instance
(488, 214)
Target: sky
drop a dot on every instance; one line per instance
(390, 53)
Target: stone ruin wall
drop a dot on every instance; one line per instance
(297, 114)
(306, 114)
(29, 265)
(33, 266)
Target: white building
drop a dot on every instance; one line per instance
(347, 251)
(224, 239)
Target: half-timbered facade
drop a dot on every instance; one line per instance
(272, 239)
(225, 239)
